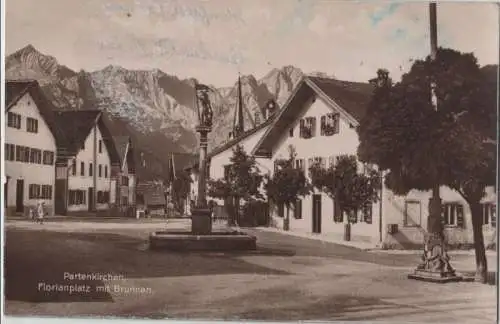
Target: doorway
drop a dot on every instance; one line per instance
(20, 196)
(91, 199)
(316, 213)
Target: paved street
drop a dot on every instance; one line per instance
(288, 278)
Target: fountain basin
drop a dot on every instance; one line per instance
(184, 241)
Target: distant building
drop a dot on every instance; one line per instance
(30, 148)
(84, 163)
(123, 174)
(151, 196)
(181, 164)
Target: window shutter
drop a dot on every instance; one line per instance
(336, 124)
(323, 124)
(493, 215)
(301, 131)
(367, 213)
(460, 216)
(298, 209)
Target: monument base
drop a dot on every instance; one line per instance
(201, 221)
(435, 266)
(431, 276)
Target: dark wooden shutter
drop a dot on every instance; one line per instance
(301, 130)
(336, 124)
(298, 209)
(460, 216)
(323, 124)
(367, 213)
(493, 215)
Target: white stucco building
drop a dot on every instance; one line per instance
(30, 147)
(84, 163)
(319, 120)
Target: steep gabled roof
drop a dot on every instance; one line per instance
(75, 127)
(350, 99)
(123, 147)
(16, 89)
(240, 138)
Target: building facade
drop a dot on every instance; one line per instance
(84, 163)
(123, 178)
(319, 121)
(30, 148)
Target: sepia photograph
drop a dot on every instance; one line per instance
(250, 160)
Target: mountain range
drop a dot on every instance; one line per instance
(152, 103)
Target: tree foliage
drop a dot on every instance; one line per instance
(181, 187)
(343, 182)
(288, 183)
(421, 147)
(403, 133)
(242, 180)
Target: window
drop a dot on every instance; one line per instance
(319, 161)
(77, 197)
(32, 125)
(332, 160)
(91, 169)
(82, 168)
(14, 120)
(256, 117)
(297, 213)
(366, 213)
(299, 164)
(291, 132)
(489, 214)
(413, 213)
(452, 214)
(307, 127)
(22, 153)
(124, 181)
(46, 192)
(10, 152)
(102, 197)
(48, 157)
(227, 171)
(100, 171)
(125, 200)
(100, 146)
(281, 210)
(34, 191)
(73, 167)
(330, 124)
(35, 156)
(105, 171)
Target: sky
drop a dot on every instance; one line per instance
(214, 40)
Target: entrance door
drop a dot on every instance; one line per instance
(20, 196)
(316, 213)
(91, 199)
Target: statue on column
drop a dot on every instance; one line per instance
(206, 110)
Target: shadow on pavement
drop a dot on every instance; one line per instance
(34, 257)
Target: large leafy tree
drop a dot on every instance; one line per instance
(242, 181)
(286, 185)
(421, 147)
(351, 190)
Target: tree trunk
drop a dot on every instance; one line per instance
(477, 229)
(236, 218)
(286, 223)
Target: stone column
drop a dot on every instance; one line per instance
(201, 220)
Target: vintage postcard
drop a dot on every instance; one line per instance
(249, 160)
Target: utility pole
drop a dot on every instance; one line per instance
(435, 266)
